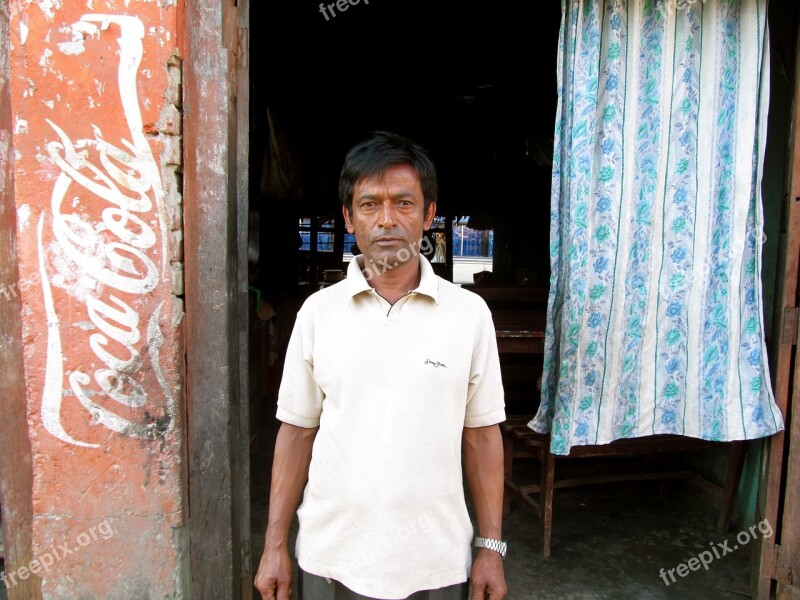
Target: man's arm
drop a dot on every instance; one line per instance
(483, 464)
(289, 477)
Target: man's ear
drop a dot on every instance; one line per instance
(429, 216)
(346, 215)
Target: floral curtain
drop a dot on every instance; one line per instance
(654, 322)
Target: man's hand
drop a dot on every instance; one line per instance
(274, 576)
(483, 462)
(488, 578)
(289, 475)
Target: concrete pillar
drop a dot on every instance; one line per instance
(96, 137)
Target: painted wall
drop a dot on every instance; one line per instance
(95, 95)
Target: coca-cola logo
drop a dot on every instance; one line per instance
(101, 244)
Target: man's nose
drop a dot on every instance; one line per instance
(387, 216)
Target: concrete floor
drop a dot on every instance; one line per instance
(609, 542)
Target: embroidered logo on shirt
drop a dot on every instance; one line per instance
(435, 363)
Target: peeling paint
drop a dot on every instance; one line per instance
(47, 7)
(80, 31)
(23, 218)
(87, 28)
(54, 371)
(41, 157)
(44, 61)
(164, 35)
(77, 285)
(23, 32)
(20, 126)
(75, 47)
(5, 142)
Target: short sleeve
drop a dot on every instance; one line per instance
(485, 396)
(299, 396)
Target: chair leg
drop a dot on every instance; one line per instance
(668, 465)
(546, 496)
(735, 464)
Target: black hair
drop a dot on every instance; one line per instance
(374, 156)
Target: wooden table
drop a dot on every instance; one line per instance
(519, 331)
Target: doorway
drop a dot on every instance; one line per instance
(474, 85)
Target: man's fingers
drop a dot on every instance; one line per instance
(478, 591)
(274, 590)
(268, 593)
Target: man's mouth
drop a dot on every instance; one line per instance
(387, 241)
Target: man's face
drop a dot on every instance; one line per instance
(389, 217)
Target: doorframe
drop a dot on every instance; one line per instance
(16, 462)
(215, 120)
(243, 283)
(778, 557)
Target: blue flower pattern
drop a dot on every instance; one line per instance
(640, 223)
(678, 230)
(627, 189)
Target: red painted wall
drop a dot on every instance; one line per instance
(96, 140)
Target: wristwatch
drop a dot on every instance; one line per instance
(497, 545)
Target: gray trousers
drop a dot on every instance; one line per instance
(313, 587)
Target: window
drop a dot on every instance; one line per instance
(325, 228)
(471, 242)
(473, 247)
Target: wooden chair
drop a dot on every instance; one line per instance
(520, 441)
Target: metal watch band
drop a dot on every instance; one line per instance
(498, 546)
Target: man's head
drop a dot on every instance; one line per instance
(388, 190)
(373, 157)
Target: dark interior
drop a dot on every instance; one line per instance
(475, 84)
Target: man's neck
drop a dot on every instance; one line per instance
(396, 282)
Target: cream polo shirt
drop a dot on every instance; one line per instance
(391, 388)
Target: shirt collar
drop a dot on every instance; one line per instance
(357, 282)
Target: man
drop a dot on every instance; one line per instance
(390, 375)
